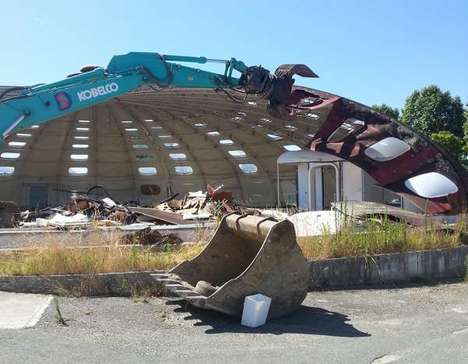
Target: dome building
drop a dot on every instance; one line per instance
(150, 144)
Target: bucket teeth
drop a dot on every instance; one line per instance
(185, 291)
(166, 281)
(195, 298)
(176, 288)
(159, 275)
(173, 285)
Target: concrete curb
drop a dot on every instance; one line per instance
(385, 269)
(101, 284)
(353, 272)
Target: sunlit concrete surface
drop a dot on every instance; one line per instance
(18, 310)
(379, 326)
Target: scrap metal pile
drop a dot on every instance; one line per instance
(194, 206)
(95, 208)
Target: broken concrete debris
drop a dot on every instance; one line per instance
(96, 209)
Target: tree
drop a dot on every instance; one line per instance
(451, 143)
(465, 125)
(431, 111)
(385, 109)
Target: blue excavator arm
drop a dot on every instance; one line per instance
(38, 104)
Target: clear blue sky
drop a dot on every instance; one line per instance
(370, 51)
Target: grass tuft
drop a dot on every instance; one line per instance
(58, 314)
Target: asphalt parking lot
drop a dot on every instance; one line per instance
(406, 325)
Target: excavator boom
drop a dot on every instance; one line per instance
(125, 73)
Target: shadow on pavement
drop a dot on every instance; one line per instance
(306, 320)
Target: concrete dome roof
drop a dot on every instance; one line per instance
(150, 144)
(177, 140)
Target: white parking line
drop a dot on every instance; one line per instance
(20, 310)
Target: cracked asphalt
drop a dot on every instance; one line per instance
(404, 325)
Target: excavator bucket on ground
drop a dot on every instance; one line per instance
(247, 255)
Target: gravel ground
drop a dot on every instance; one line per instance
(407, 325)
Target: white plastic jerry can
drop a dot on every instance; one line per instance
(255, 311)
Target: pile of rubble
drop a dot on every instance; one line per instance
(193, 206)
(171, 222)
(83, 210)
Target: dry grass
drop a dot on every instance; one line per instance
(58, 259)
(379, 237)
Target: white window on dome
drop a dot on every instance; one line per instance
(147, 171)
(237, 153)
(349, 127)
(16, 144)
(226, 142)
(274, 136)
(78, 171)
(140, 146)
(6, 171)
(84, 121)
(171, 145)
(149, 120)
(248, 168)
(183, 170)
(79, 157)
(24, 135)
(387, 149)
(81, 137)
(178, 156)
(312, 116)
(431, 185)
(80, 146)
(82, 129)
(127, 121)
(291, 147)
(213, 133)
(200, 125)
(10, 155)
(131, 130)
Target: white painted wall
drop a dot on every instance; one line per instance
(352, 182)
(303, 186)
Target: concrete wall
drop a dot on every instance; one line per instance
(399, 268)
(105, 284)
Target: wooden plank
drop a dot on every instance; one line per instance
(164, 216)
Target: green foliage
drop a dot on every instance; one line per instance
(431, 111)
(454, 145)
(385, 109)
(465, 126)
